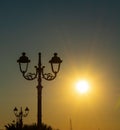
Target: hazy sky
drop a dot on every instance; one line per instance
(85, 34)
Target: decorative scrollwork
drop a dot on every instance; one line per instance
(49, 76)
(30, 76)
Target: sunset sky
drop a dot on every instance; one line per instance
(86, 36)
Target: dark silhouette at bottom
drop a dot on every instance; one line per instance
(12, 126)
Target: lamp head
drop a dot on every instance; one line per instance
(55, 59)
(23, 62)
(55, 63)
(23, 58)
(27, 109)
(15, 109)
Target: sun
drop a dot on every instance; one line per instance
(82, 86)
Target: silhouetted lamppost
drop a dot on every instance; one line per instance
(19, 115)
(39, 74)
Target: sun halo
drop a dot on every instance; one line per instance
(82, 86)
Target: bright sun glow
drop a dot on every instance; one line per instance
(82, 86)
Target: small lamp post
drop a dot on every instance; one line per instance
(39, 75)
(19, 115)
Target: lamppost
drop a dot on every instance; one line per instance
(20, 115)
(39, 75)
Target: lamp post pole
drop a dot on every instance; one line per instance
(39, 90)
(39, 74)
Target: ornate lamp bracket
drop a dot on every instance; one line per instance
(30, 76)
(48, 76)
